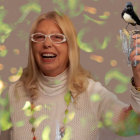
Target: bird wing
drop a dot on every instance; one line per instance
(134, 16)
(123, 12)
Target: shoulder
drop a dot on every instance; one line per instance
(15, 88)
(95, 87)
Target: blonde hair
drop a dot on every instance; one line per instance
(78, 76)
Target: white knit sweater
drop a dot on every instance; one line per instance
(91, 106)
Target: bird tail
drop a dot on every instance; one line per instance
(138, 22)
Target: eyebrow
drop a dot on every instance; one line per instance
(39, 31)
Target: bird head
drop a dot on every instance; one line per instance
(129, 6)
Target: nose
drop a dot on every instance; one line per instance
(47, 43)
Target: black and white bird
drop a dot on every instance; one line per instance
(129, 15)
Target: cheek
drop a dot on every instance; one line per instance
(64, 53)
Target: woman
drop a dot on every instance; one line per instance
(54, 96)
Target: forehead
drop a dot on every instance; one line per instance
(48, 25)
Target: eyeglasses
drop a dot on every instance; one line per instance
(55, 38)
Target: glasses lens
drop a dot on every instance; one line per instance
(38, 37)
(57, 38)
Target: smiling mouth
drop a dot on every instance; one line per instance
(48, 56)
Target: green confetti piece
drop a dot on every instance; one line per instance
(115, 74)
(62, 6)
(46, 133)
(20, 123)
(26, 9)
(67, 98)
(82, 45)
(5, 29)
(71, 116)
(27, 105)
(120, 88)
(73, 6)
(108, 118)
(32, 120)
(103, 17)
(67, 135)
(99, 22)
(32, 6)
(15, 77)
(5, 123)
(3, 53)
(39, 120)
(103, 45)
(65, 121)
(95, 97)
(100, 125)
(38, 108)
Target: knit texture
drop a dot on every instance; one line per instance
(92, 107)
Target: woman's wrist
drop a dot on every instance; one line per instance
(134, 84)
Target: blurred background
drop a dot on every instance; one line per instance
(97, 23)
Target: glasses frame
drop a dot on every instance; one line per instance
(49, 36)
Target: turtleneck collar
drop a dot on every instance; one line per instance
(53, 85)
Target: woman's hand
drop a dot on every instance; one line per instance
(134, 57)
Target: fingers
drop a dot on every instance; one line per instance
(136, 39)
(135, 52)
(136, 36)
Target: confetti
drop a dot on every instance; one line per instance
(113, 63)
(82, 45)
(5, 29)
(95, 97)
(97, 58)
(20, 123)
(115, 74)
(46, 133)
(16, 77)
(120, 88)
(105, 15)
(5, 123)
(90, 10)
(104, 45)
(16, 51)
(26, 9)
(1, 66)
(13, 70)
(87, 18)
(2, 86)
(67, 135)
(39, 120)
(3, 51)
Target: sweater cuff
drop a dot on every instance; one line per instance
(135, 99)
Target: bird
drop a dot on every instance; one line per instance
(129, 15)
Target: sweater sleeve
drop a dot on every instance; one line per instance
(109, 107)
(135, 99)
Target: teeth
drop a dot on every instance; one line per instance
(48, 54)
